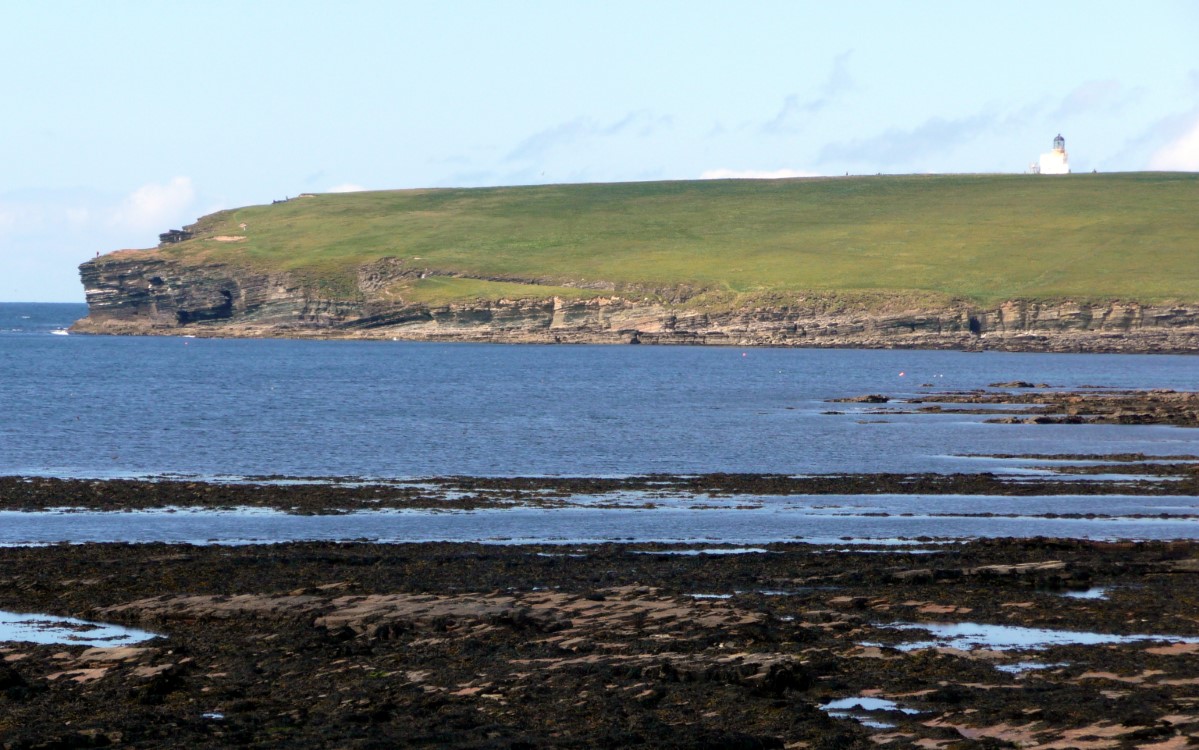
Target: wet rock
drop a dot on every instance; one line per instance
(851, 602)
(14, 687)
(338, 495)
(920, 575)
(1099, 406)
(10, 678)
(459, 645)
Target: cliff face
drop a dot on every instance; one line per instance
(145, 293)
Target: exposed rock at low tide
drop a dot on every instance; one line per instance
(1129, 407)
(474, 646)
(335, 495)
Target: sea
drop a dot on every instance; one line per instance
(223, 409)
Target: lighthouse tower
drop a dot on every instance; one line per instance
(1056, 161)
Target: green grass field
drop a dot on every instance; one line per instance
(981, 237)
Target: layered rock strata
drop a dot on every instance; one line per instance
(145, 293)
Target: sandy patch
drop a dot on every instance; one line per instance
(1174, 649)
(80, 675)
(1174, 743)
(944, 609)
(1131, 679)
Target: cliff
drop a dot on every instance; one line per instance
(139, 293)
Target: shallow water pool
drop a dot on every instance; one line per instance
(48, 629)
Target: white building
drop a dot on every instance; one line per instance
(1054, 162)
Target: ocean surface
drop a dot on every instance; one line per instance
(84, 406)
(97, 406)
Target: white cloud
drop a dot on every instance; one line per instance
(754, 174)
(1179, 155)
(346, 187)
(155, 206)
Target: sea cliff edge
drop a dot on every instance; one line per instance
(138, 294)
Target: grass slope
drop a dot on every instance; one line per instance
(982, 237)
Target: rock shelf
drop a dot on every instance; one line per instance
(462, 645)
(1141, 475)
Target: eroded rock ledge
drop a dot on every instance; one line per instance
(145, 293)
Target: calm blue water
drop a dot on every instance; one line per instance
(36, 318)
(105, 406)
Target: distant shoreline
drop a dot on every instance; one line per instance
(1015, 326)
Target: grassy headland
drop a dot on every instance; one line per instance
(1132, 236)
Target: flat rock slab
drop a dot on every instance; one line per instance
(573, 616)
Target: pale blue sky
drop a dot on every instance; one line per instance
(125, 119)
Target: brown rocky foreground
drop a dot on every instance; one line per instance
(460, 645)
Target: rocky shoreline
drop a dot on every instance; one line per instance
(1039, 404)
(1140, 475)
(143, 293)
(469, 646)
(929, 644)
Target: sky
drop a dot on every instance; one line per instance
(125, 119)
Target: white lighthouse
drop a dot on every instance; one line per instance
(1056, 161)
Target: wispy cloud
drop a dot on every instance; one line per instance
(1107, 96)
(346, 187)
(718, 129)
(32, 211)
(899, 146)
(149, 209)
(155, 206)
(1181, 154)
(563, 133)
(46, 233)
(641, 123)
(754, 174)
(8, 218)
(797, 111)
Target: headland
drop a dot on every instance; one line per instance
(1005, 262)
